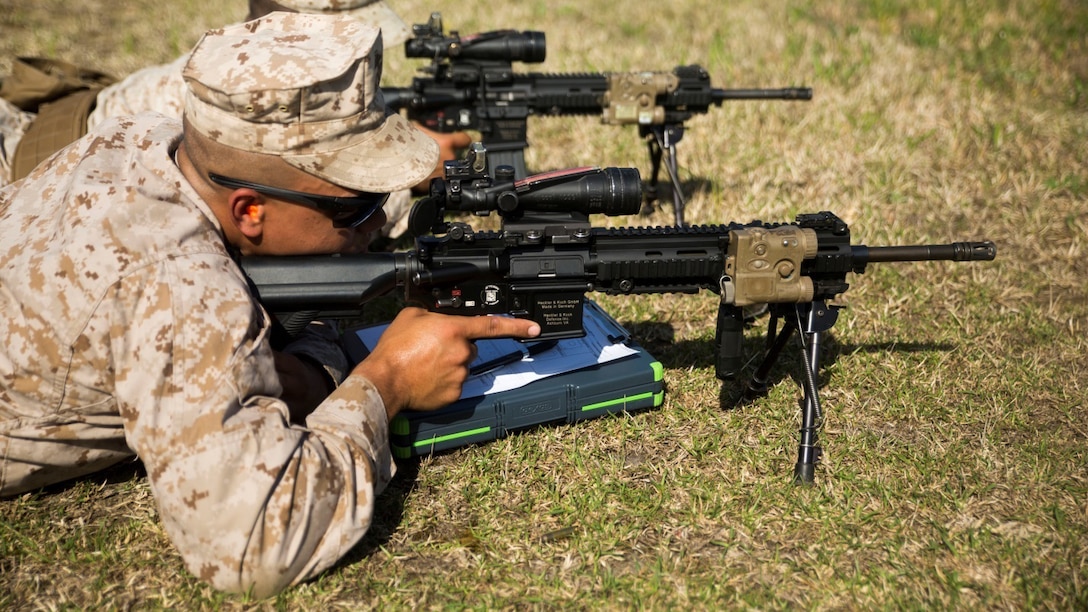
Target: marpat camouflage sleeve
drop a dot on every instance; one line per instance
(249, 500)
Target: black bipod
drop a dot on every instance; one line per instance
(813, 319)
(662, 140)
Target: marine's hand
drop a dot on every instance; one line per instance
(422, 359)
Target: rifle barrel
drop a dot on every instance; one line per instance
(956, 251)
(786, 93)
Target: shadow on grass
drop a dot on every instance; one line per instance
(119, 473)
(658, 340)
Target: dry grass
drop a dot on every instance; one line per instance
(955, 443)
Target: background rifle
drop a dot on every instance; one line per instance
(547, 256)
(471, 85)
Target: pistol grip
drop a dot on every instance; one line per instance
(729, 341)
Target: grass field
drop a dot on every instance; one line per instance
(955, 468)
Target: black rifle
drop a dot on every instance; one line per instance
(471, 85)
(547, 256)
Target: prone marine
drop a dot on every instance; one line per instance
(130, 330)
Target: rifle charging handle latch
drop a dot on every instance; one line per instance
(728, 289)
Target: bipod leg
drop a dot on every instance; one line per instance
(668, 136)
(813, 319)
(776, 341)
(649, 189)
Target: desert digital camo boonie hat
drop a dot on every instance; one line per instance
(374, 12)
(305, 88)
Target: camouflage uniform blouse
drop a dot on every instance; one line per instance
(127, 328)
(155, 88)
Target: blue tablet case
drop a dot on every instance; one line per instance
(628, 384)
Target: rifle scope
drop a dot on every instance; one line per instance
(501, 45)
(607, 191)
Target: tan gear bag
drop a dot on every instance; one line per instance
(62, 94)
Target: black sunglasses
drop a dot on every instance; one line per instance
(347, 211)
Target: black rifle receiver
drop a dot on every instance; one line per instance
(470, 84)
(547, 257)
